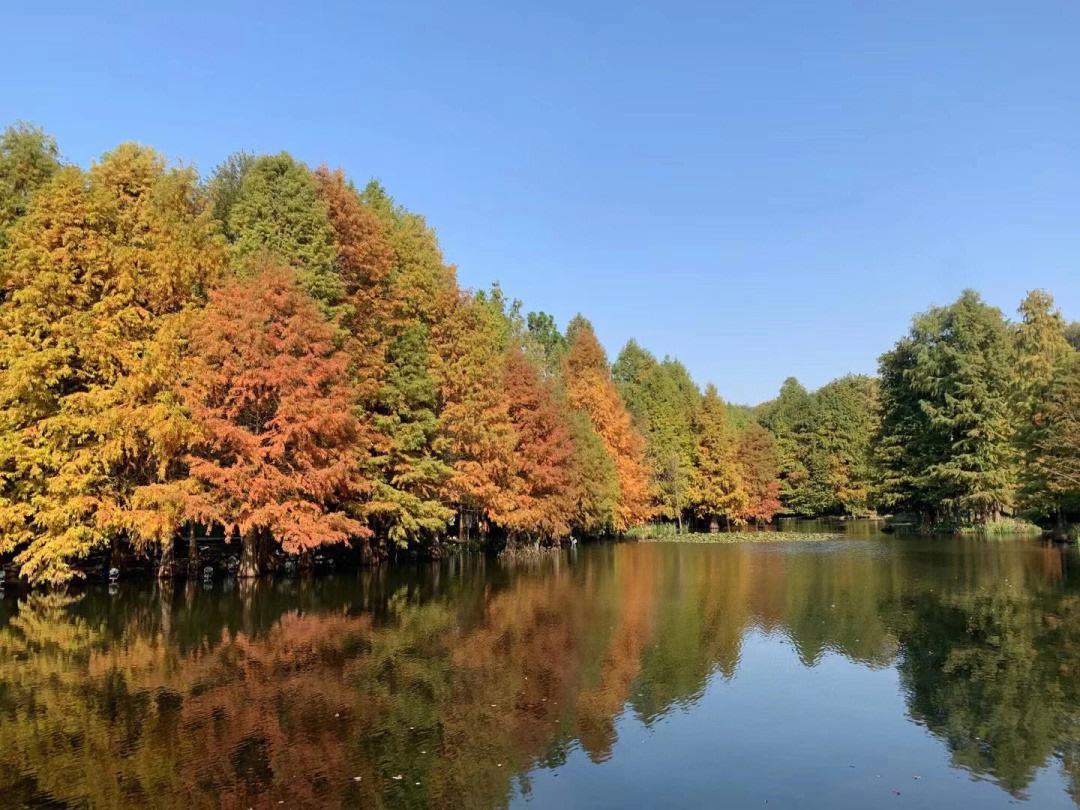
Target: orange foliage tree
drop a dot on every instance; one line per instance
(756, 460)
(271, 406)
(589, 387)
(543, 471)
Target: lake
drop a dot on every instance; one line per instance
(869, 671)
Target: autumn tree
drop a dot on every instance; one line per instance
(100, 262)
(591, 483)
(427, 286)
(589, 387)
(670, 404)
(123, 418)
(756, 459)
(271, 403)
(364, 268)
(474, 419)
(542, 472)
(716, 487)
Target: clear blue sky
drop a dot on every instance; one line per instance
(760, 189)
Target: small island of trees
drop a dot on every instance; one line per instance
(277, 357)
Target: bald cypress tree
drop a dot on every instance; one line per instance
(756, 458)
(594, 488)
(663, 401)
(416, 465)
(845, 419)
(270, 204)
(630, 370)
(474, 422)
(716, 489)
(589, 388)
(789, 419)
(28, 158)
(946, 445)
(101, 262)
(541, 483)
(545, 333)
(1046, 396)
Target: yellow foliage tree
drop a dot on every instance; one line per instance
(91, 274)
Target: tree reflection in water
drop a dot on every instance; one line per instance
(444, 686)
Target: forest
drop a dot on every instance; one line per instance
(277, 359)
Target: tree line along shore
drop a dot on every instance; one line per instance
(279, 363)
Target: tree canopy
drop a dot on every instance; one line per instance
(948, 415)
(280, 356)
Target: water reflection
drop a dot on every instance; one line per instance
(449, 685)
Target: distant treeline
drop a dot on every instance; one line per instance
(277, 357)
(972, 418)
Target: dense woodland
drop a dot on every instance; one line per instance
(280, 359)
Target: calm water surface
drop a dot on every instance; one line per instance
(858, 673)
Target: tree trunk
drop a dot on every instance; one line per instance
(249, 556)
(192, 552)
(116, 558)
(306, 561)
(168, 557)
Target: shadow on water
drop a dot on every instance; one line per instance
(456, 684)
